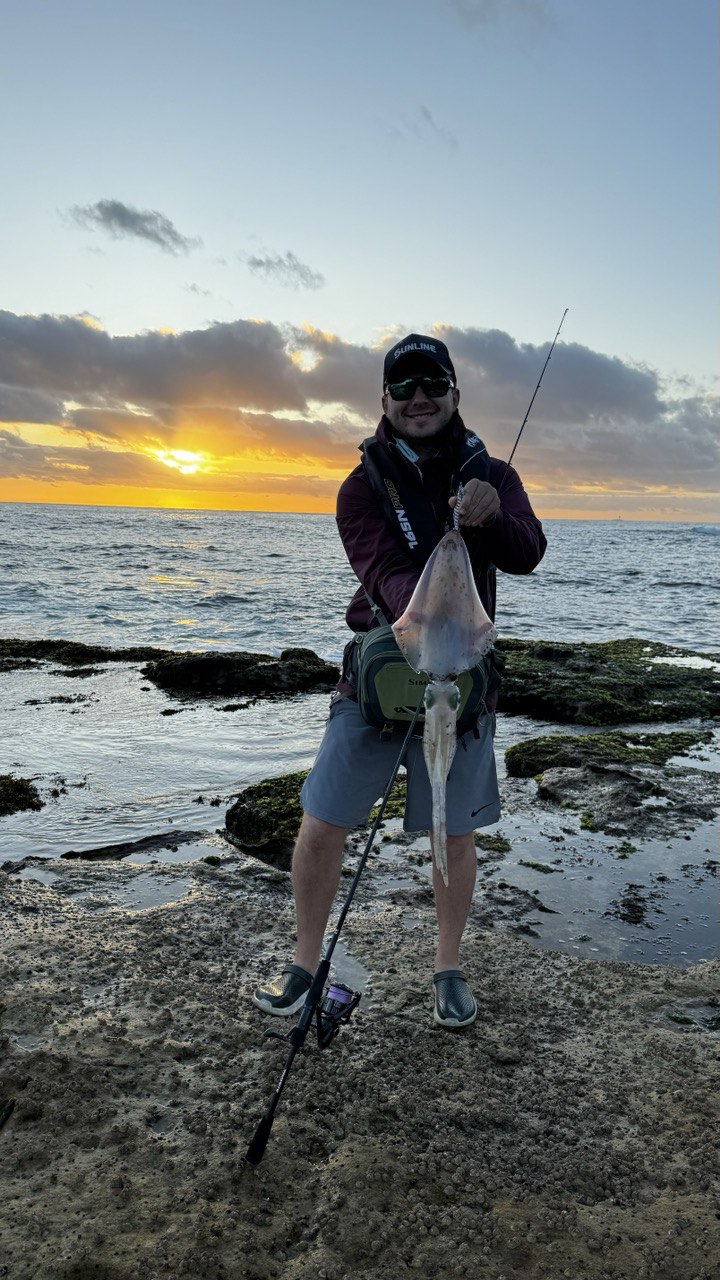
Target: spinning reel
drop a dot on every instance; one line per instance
(335, 1009)
(338, 1004)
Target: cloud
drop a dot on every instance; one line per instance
(93, 466)
(240, 363)
(196, 288)
(123, 221)
(596, 417)
(287, 270)
(19, 404)
(340, 372)
(501, 374)
(252, 391)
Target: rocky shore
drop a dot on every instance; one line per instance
(567, 1133)
(616, 682)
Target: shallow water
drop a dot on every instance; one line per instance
(128, 771)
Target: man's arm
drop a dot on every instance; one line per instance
(513, 540)
(383, 567)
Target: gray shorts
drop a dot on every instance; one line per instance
(352, 769)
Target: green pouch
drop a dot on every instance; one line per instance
(388, 690)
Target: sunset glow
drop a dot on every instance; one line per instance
(182, 460)
(201, 319)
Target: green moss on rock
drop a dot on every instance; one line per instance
(492, 843)
(17, 794)
(538, 866)
(196, 674)
(266, 817)
(72, 653)
(620, 681)
(587, 822)
(625, 848)
(395, 807)
(267, 811)
(530, 759)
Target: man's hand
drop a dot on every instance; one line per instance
(480, 503)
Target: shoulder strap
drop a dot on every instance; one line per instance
(377, 613)
(472, 459)
(371, 456)
(396, 491)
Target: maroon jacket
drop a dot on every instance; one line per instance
(514, 542)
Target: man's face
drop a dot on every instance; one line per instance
(422, 418)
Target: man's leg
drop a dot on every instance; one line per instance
(350, 772)
(455, 1004)
(317, 860)
(316, 866)
(452, 901)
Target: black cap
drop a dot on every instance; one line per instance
(421, 351)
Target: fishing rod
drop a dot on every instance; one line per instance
(529, 408)
(339, 1001)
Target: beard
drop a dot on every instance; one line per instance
(435, 438)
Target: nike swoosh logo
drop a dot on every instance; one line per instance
(482, 806)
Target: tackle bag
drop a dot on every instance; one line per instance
(388, 690)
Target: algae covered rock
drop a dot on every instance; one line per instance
(17, 794)
(266, 817)
(71, 653)
(620, 681)
(297, 670)
(261, 674)
(636, 800)
(556, 751)
(621, 783)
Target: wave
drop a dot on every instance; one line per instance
(218, 600)
(707, 585)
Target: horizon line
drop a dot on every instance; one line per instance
(280, 511)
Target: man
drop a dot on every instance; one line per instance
(420, 452)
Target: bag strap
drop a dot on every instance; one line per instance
(376, 611)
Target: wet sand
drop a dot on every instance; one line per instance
(568, 1133)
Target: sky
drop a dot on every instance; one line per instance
(217, 217)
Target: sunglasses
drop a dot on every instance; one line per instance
(433, 388)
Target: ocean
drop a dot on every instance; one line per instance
(116, 760)
(263, 581)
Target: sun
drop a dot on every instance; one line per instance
(181, 460)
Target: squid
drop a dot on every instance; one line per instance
(443, 632)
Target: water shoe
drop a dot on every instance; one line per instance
(284, 995)
(454, 1001)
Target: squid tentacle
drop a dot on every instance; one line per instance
(442, 698)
